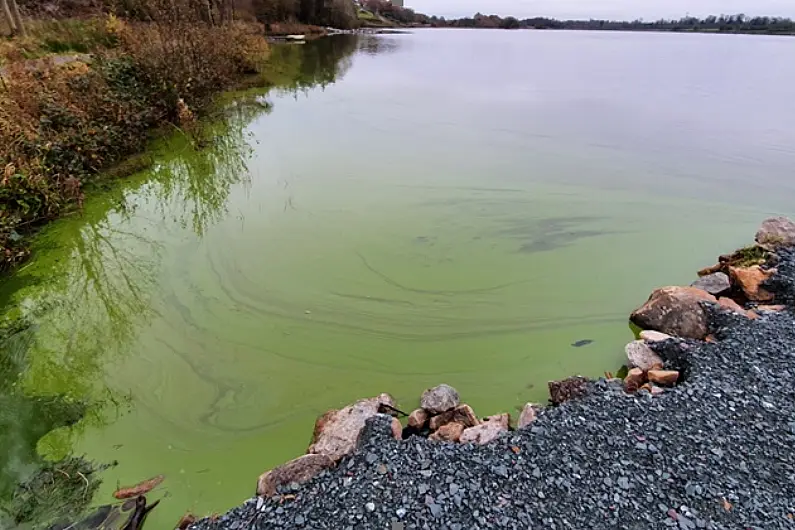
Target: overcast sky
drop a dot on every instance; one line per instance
(613, 9)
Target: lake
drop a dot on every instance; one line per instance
(455, 206)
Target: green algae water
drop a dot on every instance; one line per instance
(444, 206)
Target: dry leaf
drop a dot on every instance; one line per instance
(139, 489)
(727, 505)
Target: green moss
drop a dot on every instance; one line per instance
(749, 256)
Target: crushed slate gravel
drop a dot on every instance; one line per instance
(717, 451)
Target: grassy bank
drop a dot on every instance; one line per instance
(64, 118)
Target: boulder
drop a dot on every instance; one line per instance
(336, 431)
(749, 280)
(462, 414)
(528, 415)
(634, 379)
(776, 232)
(715, 284)
(652, 336)
(298, 470)
(639, 355)
(566, 389)
(418, 418)
(439, 399)
(449, 432)
(487, 431)
(676, 311)
(663, 377)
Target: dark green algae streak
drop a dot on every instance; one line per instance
(90, 267)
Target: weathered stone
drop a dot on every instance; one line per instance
(487, 431)
(439, 399)
(336, 432)
(776, 232)
(731, 305)
(771, 308)
(566, 389)
(634, 379)
(528, 415)
(712, 269)
(715, 284)
(656, 391)
(462, 414)
(675, 311)
(298, 470)
(663, 377)
(418, 418)
(649, 335)
(397, 429)
(639, 355)
(449, 432)
(749, 280)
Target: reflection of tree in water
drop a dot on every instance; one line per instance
(377, 45)
(193, 188)
(96, 298)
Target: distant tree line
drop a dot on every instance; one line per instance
(716, 24)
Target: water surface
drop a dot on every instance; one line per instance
(447, 206)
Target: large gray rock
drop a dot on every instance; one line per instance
(676, 311)
(776, 232)
(639, 355)
(337, 431)
(439, 399)
(298, 470)
(715, 284)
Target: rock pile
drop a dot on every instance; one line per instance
(735, 284)
(442, 417)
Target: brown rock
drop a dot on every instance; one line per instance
(298, 470)
(750, 279)
(646, 387)
(487, 431)
(449, 432)
(185, 521)
(776, 232)
(439, 399)
(462, 414)
(418, 418)
(731, 305)
(675, 311)
(663, 377)
(566, 389)
(639, 355)
(706, 271)
(336, 432)
(634, 379)
(504, 420)
(528, 415)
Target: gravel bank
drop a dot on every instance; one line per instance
(717, 451)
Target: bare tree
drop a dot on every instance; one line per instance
(17, 18)
(7, 15)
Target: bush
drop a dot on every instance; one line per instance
(60, 124)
